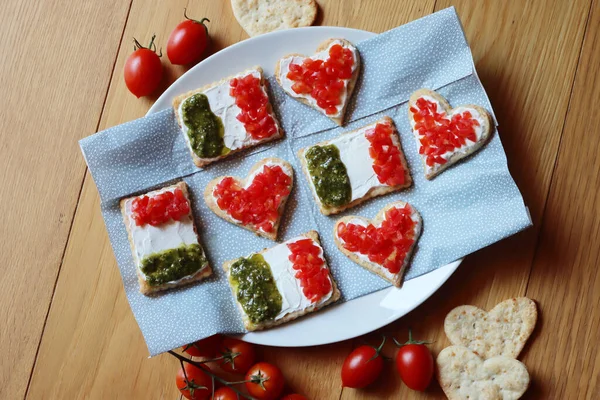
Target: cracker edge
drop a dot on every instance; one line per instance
(296, 314)
(146, 289)
(238, 16)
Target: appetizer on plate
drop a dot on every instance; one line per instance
(446, 135)
(325, 80)
(257, 202)
(225, 117)
(282, 283)
(163, 238)
(383, 246)
(355, 166)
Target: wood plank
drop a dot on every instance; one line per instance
(57, 57)
(565, 279)
(515, 47)
(95, 338)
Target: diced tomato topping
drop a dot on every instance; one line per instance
(386, 245)
(324, 81)
(439, 134)
(160, 208)
(258, 204)
(387, 163)
(253, 103)
(312, 273)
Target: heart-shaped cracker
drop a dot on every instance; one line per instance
(257, 168)
(283, 68)
(501, 332)
(463, 375)
(261, 16)
(431, 143)
(362, 260)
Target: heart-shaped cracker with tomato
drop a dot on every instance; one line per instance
(325, 80)
(464, 375)
(444, 135)
(384, 245)
(257, 202)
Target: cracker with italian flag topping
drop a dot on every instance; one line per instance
(384, 245)
(355, 166)
(228, 116)
(256, 202)
(281, 283)
(324, 81)
(166, 250)
(444, 135)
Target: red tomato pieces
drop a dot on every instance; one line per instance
(160, 208)
(253, 103)
(312, 273)
(258, 204)
(440, 134)
(324, 80)
(386, 245)
(387, 163)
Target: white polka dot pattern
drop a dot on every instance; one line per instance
(469, 206)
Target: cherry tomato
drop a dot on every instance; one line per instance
(206, 348)
(362, 366)
(225, 393)
(143, 69)
(188, 41)
(197, 386)
(293, 397)
(239, 356)
(414, 363)
(269, 376)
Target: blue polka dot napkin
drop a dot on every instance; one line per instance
(467, 207)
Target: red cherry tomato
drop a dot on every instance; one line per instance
(362, 366)
(188, 41)
(225, 393)
(206, 348)
(197, 386)
(294, 397)
(239, 356)
(143, 70)
(414, 363)
(271, 378)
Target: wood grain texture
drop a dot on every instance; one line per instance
(527, 56)
(49, 99)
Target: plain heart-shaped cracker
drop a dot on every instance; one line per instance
(478, 113)
(280, 76)
(361, 260)
(261, 16)
(501, 332)
(256, 168)
(463, 375)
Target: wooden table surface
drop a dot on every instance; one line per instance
(66, 330)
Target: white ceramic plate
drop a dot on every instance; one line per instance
(342, 321)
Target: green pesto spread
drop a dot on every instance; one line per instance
(329, 175)
(205, 129)
(255, 288)
(173, 264)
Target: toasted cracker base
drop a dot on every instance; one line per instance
(485, 132)
(371, 266)
(262, 16)
(501, 332)
(464, 375)
(145, 288)
(201, 162)
(373, 192)
(292, 316)
(351, 83)
(212, 204)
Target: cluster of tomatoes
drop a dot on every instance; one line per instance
(226, 356)
(187, 43)
(158, 209)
